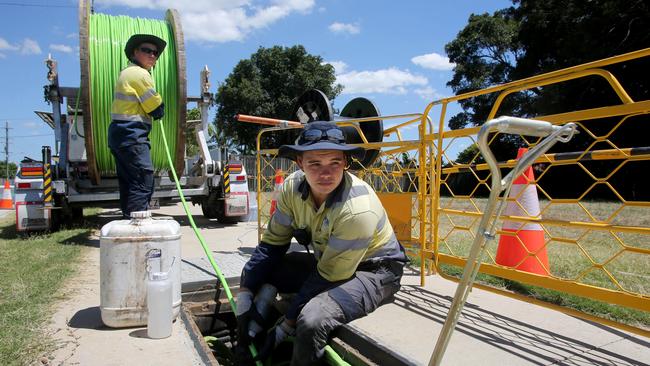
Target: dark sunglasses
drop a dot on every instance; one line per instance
(149, 51)
(333, 134)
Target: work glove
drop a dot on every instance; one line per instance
(276, 335)
(159, 112)
(243, 313)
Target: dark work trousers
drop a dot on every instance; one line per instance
(135, 175)
(372, 285)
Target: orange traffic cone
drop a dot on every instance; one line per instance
(279, 180)
(6, 202)
(524, 248)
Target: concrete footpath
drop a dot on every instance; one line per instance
(493, 330)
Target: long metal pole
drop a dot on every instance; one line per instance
(486, 229)
(7, 149)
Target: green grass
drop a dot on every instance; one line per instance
(600, 309)
(604, 259)
(34, 268)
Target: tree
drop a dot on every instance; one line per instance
(191, 145)
(12, 170)
(534, 37)
(485, 52)
(268, 85)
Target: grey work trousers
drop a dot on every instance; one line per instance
(371, 286)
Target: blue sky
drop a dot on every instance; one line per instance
(391, 52)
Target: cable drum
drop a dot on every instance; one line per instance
(102, 41)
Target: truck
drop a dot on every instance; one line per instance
(56, 188)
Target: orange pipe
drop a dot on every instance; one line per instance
(266, 121)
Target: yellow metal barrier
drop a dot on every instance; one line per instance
(597, 249)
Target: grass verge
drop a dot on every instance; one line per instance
(633, 317)
(34, 268)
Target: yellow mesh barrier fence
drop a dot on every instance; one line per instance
(595, 223)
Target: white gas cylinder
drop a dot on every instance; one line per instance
(124, 249)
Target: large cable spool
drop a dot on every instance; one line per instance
(101, 48)
(372, 130)
(313, 105)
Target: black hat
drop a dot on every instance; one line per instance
(138, 39)
(320, 135)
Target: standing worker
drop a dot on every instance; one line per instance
(356, 264)
(135, 105)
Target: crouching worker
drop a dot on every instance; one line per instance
(356, 264)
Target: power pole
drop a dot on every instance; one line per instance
(7, 149)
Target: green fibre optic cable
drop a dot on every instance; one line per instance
(330, 354)
(107, 38)
(222, 279)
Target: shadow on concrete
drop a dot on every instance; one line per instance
(246, 250)
(139, 333)
(88, 318)
(528, 342)
(200, 221)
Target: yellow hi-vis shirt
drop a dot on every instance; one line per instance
(350, 227)
(135, 95)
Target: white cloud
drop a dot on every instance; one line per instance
(61, 48)
(428, 93)
(30, 47)
(339, 66)
(388, 81)
(222, 20)
(433, 61)
(344, 28)
(30, 125)
(27, 47)
(72, 35)
(6, 46)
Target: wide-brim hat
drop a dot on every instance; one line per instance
(138, 39)
(303, 144)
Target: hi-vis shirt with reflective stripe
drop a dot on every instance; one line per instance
(351, 227)
(135, 95)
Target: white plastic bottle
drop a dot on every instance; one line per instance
(159, 305)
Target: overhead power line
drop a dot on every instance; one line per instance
(2, 3)
(27, 136)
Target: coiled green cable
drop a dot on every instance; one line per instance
(107, 37)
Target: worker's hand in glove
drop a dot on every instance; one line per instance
(159, 112)
(276, 335)
(243, 313)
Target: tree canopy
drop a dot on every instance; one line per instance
(10, 170)
(534, 37)
(268, 85)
